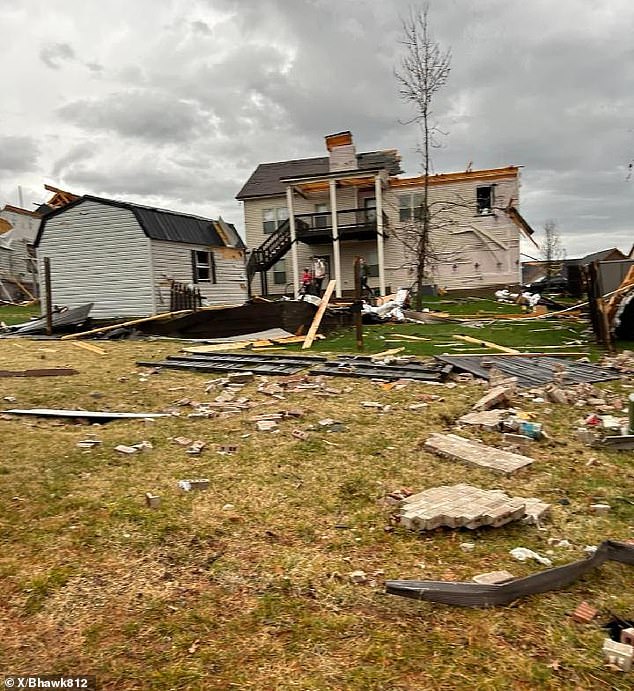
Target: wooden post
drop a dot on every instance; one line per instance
(335, 235)
(291, 225)
(49, 297)
(380, 250)
(358, 322)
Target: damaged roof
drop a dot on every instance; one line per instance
(265, 179)
(162, 224)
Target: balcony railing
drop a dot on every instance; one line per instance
(352, 224)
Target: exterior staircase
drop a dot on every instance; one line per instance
(276, 245)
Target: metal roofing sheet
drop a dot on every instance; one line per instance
(533, 371)
(165, 225)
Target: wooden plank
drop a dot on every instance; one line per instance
(217, 347)
(312, 331)
(48, 372)
(386, 353)
(486, 344)
(91, 347)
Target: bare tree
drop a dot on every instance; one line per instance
(553, 251)
(424, 70)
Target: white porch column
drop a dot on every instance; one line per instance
(291, 225)
(335, 236)
(378, 193)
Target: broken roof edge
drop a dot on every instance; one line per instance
(130, 206)
(20, 210)
(439, 178)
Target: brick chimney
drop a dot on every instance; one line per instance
(341, 151)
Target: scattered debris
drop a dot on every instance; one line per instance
(101, 416)
(134, 448)
(153, 501)
(618, 654)
(300, 434)
(358, 577)
(459, 506)
(196, 447)
(192, 485)
(487, 419)
(50, 372)
(88, 443)
(601, 509)
(476, 453)
(362, 366)
(266, 425)
(523, 554)
(584, 613)
(228, 449)
(492, 577)
(482, 595)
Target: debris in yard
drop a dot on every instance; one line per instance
(153, 501)
(601, 509)
(61, 319)
(50, 372)
(476, 453)
(535, 511)
(530, 372)
(192, 485)
(134, 448)
(90, 347)
(487, 419)
(183, 441)
(358, 577)
(618, 654)
(584, 613)
(624, 442)
(459, 506)
(523, 554)
(482, 595)
(500, 396)
(492, 577)
(627, 636)
(266, 425)
(228, 448)
(300, 434)
(196, 447)
(519, 441)
(101, 416)
(88, 443)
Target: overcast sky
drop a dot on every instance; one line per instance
(175, 102)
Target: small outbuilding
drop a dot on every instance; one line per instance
(124, 257)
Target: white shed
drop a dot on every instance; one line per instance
(123, 257)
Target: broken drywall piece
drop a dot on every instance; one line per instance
(476, 453)
(493, 577)
(191, 485)
(486, 419)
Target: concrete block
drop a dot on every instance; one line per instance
(240, 377)
(498, 396)
(460, 449)
(619, 654)
(627, 636)
(193, 485)
(153, 501)
(266, 425)
(228, 448)
(300, 434)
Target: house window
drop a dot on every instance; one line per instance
(321, 221)
(272, 219)
(203, 267)
(369, 205)
(485, 199)
(372, 264)
(410, 206)
(279, 273)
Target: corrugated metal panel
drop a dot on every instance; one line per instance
(529, 371)
(165, 225)
(98, 254)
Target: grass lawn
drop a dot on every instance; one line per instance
(14, 314)
(245, 586)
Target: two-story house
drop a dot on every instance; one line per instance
(350, 204)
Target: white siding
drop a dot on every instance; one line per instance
(171, 261)
(472, 250)
(15, 262)
(98, 254)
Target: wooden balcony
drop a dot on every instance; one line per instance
(352, 224)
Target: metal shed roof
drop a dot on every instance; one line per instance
(157, 224)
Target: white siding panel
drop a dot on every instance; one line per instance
(98, 254)
(171, 261)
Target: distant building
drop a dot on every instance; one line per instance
(18, 268)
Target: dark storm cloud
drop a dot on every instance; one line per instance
(147, 115)
(17, 154)
(54, 54)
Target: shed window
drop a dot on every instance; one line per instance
(410, 206)
(272, 219)
(203, 267)
(485, 199)
(279, 273)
